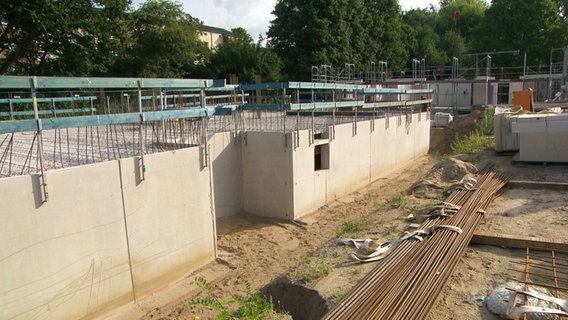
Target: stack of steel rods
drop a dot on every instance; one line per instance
(406, 284)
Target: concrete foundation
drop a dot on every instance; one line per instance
(290, 175)
(106, 237)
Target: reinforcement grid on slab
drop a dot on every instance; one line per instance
(69, 147)
(539, 267)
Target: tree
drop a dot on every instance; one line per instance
(242, 57)
(309, 33)
(49, 37)
(165, 42)
(533, 26)
(422, 39)
(386, 32)
(455, 23)
(301, 37)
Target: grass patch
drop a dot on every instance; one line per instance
(349, 227)
(313, 269)
(248, 306)
(397, 201)
(481, 137)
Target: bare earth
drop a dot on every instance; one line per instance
(259, 250)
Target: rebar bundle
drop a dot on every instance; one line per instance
(407, 283)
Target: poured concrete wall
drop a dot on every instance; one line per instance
(444, 94)
(68, 257)
(349, 159)
(266, 170)
(226, 167)
(395, 142)
(169, 217)
(105, 237)
(310, 186)
(357, 156)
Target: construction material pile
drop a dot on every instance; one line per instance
(406, 283)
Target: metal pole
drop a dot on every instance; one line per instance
(563, 81)
(524, 69)
(140, 134)
(488, 72)
(39, 142)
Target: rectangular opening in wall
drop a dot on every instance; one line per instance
(321, 157)
(503, 93)
(321, 135)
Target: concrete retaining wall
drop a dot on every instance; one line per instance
(266, 170)
(105, 237)
(225, 150)
(356, 157)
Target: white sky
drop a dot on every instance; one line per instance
(253, 15)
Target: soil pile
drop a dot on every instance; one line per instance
(444, 174)
(441, 138)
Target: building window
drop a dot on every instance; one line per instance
(321, 157)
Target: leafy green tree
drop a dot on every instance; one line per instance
(308, 33)
(533, 26)
(422, 39)
(455, 23)
(300, 36)
(242, 57)
(165, 42)
(49, 37)
(386, 33)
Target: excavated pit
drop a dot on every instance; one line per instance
(300, 302)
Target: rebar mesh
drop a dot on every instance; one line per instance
(68, 147)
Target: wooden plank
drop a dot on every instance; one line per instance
(518, 242)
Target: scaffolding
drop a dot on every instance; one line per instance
(370, 73)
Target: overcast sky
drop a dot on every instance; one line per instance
(253, 15)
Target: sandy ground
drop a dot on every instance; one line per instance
(259, 251)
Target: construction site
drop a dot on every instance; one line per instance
(118, 193)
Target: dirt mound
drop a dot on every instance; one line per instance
(446, 172)
(441, 138)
